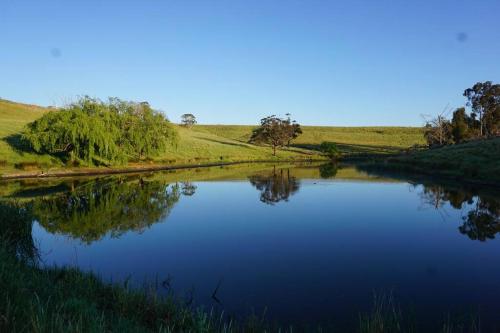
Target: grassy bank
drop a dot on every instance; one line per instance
(477, 161)
(35, 299)
(206, 143)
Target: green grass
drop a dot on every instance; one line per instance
(477, 161)
(209, 143)
(351, 140)
(13, 117)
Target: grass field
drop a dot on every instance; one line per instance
(350, 139)
(209, 143)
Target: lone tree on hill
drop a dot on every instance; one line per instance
(188, 120)
(276, 132)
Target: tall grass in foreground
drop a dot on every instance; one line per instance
(386, 316)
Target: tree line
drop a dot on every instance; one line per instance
(94, 132)
(481, 118)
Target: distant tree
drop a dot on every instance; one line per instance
(276, 132)
(188, 120)
(460, 125)
(484, 99)
(330, 149)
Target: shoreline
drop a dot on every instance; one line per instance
(80, 172)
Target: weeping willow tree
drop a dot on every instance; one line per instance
(96, 132)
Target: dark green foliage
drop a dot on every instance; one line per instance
(276, 132)
(330, 149)
(99, 132)
(482, 122)
(484, 99)
(460, 124)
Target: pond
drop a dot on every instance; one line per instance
(303, 245)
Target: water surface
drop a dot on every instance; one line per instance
(304, 244)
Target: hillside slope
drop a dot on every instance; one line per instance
(13, 118)
(476, 161)
(210, 143)
(194, 146)
(377, 139)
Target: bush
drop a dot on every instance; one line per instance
(330, 149)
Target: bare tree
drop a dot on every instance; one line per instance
(438, 130)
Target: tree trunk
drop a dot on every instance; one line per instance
(274, 150)
(481, 124)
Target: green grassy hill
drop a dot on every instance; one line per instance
(476, 161)
(209, 143)
(350, 139)
(13, 118)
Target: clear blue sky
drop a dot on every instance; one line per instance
(326, 62)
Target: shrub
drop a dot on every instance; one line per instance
(330, 149)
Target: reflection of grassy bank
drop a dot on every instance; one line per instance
(27, 188)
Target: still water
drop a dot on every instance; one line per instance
(302, 244)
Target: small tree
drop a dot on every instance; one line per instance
(330, 149)
(276, 132)
(188, 120)
(460, 125)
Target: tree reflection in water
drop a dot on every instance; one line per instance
(328, 170)
(482, 220)
(16, 222)
(98, 208)
(275, 187)
(188, 189)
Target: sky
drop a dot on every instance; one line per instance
(338, 63)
